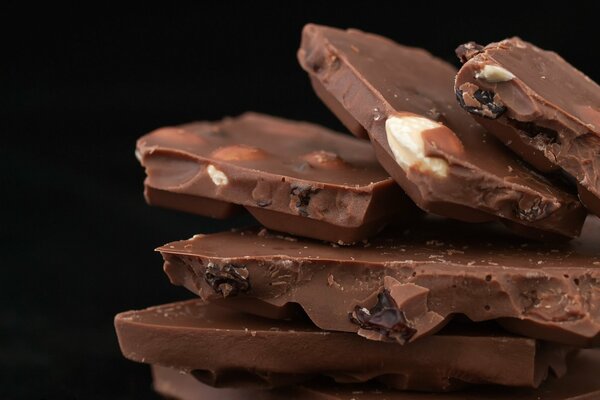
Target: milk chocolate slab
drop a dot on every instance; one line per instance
(539, 105)
(430, 273)
(293, 177)
(403, 99)
(226, 348)
(580, 383)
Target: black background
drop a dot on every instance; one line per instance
(80, 85)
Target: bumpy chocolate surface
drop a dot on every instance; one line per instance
(403, 99)
(225, 348)
(539, 105)
(580, 383)
(432, 271)
(293, 177)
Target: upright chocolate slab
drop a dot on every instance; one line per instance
(403, 99)
(294, 177)
(545, 110)
(431, 272)
(580, 383)
(225, 348)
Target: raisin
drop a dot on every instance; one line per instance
(227, 279)
(543, 135)
(301, 195)
(489, 108)
(384, 318)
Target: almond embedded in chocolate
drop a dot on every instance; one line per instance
(292, 176)
(368, 89)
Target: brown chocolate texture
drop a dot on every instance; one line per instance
(293, 177)
(403, 99)
(543, 290)
(225, 348)
(539, 105)
(580, 383)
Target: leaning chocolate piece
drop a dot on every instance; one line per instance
(225, 348)
(544, 290)
(537, 104)
(293, 177)
(580, 383)
(403, 98)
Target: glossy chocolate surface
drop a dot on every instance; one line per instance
(226, 348)
(580, 383)
(433, 271)
(292, 176)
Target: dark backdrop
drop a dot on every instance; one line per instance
(78, 87)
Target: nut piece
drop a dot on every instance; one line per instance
(405, 138)
(217, 176)
(239, 152)
(324, 159)
(494, 74)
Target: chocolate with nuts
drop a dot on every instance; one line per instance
(544, 290)
(293, 177)
(225, 348)
(403, 99)
(580, 383)
(537, 104)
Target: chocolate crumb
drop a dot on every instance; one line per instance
(466, 51)
(384, 318)
(263, 203)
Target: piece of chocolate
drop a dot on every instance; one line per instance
(433, 271)
(225, 348)
(403, 98)
(537, 104)
(293, 177)
(580, 383)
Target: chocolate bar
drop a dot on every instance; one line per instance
(403, 99)
(401, 286)
(539, 105)
(580, 383)
(225, 348)
(292, 177)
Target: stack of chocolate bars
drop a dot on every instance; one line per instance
(446, 248)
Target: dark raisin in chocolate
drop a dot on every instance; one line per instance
(227, 279)
(302, 194)
(385, 318)
(486, 98)
(533, 213)
(545, 136)
(488, 108)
